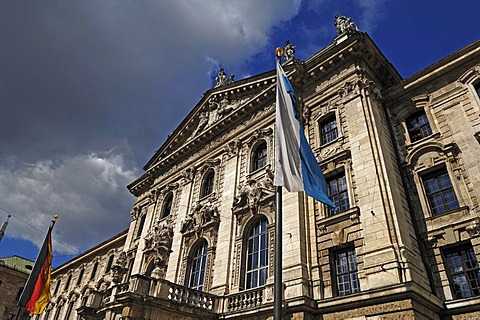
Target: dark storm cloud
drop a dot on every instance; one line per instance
(88, 89)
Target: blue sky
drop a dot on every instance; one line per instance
(89, 89)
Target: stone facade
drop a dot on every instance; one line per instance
(398, 154)
(14, 273)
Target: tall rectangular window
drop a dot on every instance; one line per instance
(345, 272)
(439, 191)
(338, 193)
(329, 131)
(463, 271)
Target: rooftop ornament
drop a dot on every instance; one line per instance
(344, 25)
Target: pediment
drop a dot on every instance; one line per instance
(215, 112)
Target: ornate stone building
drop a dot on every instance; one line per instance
(400, 160)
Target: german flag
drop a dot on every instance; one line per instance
(36, 293)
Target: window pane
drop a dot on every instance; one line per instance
(418, 126)
(329, 130)
(257, 254)
(338, 193)
(197, 266)
(439, 191)
(462, 267)
(346, 272)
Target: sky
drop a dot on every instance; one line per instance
(90, 89)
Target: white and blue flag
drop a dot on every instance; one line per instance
(296, 168)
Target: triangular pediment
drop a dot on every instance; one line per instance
(213, 114)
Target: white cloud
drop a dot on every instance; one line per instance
(87, 192)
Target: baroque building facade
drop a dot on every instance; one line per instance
(400, 160)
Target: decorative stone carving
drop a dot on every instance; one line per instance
(202, 122)
(118, 269)
(289, 51)
(224, 107)
(200, 215)
(252, 192)
(473, 229)
(344, 25)
(221, 79)
(159, 238)
(187, 175)
(258, 134)
(135, 213)
(231, 149)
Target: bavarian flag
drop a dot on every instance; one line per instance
(36, 293)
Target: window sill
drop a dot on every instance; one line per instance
(352, 214)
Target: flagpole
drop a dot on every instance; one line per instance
(20, 307)
(277, 276)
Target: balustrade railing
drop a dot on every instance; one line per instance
(245, 300)
(194, 298)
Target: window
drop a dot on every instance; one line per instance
(94, 271)
(67, 284)
(257, 255)
(463, 271)
(57, 286)
(329, 131)
(477, 88)
(197, 266)
(418, 126)
(207, 186)
(259, 156)
(167, 205)
(439, 191)
(80, 277)
(140, 225)
(338, 193)
(109, 264)
(345, 269)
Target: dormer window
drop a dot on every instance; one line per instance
(418, 126)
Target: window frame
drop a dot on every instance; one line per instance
(253, 270)
(208, 183)
(325, 135)
(349, 273)
(258, 162)
(430, 197)
(341, 208)
(197, 266)
(167, 205)
(415, 131)
(466, 271)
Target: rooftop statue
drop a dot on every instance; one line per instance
(344, 25)
(289, 51)
(221, 79)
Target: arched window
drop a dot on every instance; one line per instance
(418, 126)
(197, 266)
(257, 255)
(259, 159)
(167, 205)
(207, 185)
